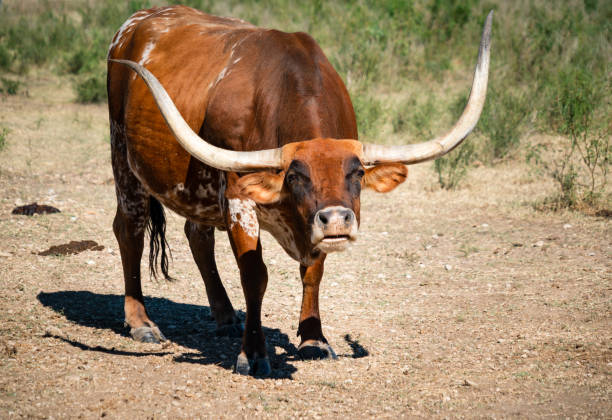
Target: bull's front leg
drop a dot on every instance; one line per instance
(243, 231)
(314, 344)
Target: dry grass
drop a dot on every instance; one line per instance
(516, 325)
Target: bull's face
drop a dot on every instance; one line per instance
(321, 180)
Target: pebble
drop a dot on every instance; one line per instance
(448, 267)
(408, 276)
(90, 262)
(539, 244)
(567, 226)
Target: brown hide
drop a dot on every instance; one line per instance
(240, 87)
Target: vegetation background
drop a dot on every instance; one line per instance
(406, 64)
(479, 302)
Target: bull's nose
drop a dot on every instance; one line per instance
(336, 217)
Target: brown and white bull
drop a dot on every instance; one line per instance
(259, 133)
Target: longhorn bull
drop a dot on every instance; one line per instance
(259, 133)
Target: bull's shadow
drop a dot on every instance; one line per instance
(190, 326)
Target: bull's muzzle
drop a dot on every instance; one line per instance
(333, 228)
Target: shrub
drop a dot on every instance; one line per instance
(452, 168)
(368, 111)
(9, 86)
(581, 163)
(415, 117)
(92, 89)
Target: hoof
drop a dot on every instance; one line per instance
(258, 366)
(230, 330)
(147, 334)
(316, 350)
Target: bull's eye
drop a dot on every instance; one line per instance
(357, 174)
(291, 178)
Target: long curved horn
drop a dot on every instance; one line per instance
(420, 152)
(226, 160)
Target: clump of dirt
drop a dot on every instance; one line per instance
(72, 248)
(34, 208)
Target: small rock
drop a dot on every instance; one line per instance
(5, 255)
(485, 225)
(405, 370)
(408, 276)
(467, 382)
(448, 267)
(73, 218)
(538, 244)
(90, 262)
(567, 226)
(421, 265)
(435, 236)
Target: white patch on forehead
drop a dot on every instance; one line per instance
(243, 213)
(145, 54)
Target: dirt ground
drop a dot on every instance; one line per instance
(462, 304)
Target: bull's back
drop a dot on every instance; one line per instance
(186, 50)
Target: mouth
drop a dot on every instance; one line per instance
(333, 243)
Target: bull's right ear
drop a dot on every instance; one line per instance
(385, 176)
(261, 187)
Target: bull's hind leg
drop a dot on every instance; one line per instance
(313, 345)
(133, 211)
(202, 243)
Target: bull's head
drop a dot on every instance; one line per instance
(323, 178)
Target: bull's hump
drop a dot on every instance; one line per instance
(163, 20)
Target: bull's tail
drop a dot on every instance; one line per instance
(156, 227)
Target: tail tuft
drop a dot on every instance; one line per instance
(157, 239)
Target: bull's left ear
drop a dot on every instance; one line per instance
(261, 187)
(385, 177)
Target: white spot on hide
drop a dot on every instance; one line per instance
(145, 54)
(118, 39)
(243, 213)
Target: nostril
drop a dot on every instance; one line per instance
(322, 218)
(348, 217)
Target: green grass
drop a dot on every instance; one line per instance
(407, 64)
